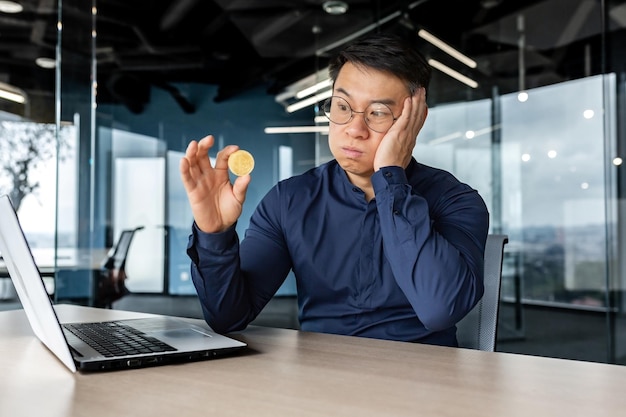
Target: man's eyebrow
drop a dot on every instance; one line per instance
(387, 101)
(341, 90)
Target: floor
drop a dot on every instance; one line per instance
(541, 331)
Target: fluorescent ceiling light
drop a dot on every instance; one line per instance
(297, 129)
(8, 92)
(452, 73)
(457, 135)
(47, 63)
(10, 7)
(335, 7)
(446, 48)
(12, 96)
(445, 138)
(314, 88)
(309, 101)
(301, 86)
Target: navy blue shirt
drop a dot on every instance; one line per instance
(407, 265)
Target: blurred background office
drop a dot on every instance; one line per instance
(98, 101)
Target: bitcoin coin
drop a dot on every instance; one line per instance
(240, 162)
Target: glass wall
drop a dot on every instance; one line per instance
(548, 163)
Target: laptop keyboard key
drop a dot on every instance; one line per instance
(116, 339)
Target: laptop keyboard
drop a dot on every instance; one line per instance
(116, 339)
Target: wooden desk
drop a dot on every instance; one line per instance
(292, 373)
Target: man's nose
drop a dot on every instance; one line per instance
(358, 121)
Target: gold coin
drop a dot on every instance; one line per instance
(241, 162)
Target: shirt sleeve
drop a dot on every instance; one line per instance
(233, 292)
(435, 247)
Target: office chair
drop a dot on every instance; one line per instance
(478, 329)
(110, 285)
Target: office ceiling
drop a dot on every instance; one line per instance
(242, 44)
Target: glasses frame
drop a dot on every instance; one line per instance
(326, 103)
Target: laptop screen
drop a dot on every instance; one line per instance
(28, 284)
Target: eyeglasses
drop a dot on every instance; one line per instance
(377, 116)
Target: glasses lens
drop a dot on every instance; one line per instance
(337, 110)
(378, 117)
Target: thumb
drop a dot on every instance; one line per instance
(240, 187)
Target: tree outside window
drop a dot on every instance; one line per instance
(24, 148)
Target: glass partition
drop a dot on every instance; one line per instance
(544, 165)
(549, 167)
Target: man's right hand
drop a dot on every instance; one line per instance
(216, 204)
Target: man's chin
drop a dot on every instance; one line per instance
(354, 168)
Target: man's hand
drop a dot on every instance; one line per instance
(216, 204)
(397, 145)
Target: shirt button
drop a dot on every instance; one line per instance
(396, 212)
(356, 190)
(388, 174)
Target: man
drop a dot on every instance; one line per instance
(381, 246)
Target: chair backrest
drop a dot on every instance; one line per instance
(110, 285)
(121, 248)
(478, 330)
(116, 258)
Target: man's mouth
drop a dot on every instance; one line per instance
(352, 152)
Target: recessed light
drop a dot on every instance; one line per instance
(490, 4)
(335, 7)
(7, 6)
(47, 63)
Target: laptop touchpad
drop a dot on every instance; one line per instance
(180, 333)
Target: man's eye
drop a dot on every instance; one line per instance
(379, 114)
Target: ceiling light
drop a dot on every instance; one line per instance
(297, 129)
(427, 36)
(452, 73)
(10, 7)
(314, 88)
(44, 62)
(309, 101)
(490, 4)
(8, 92)
(335, 7)
(303, 85)
(445, 138)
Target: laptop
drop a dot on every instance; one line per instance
(153, 341)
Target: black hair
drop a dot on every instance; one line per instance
(389, 53)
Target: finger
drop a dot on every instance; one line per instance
(240, 187)
(221, 161)
(183, 167)
(420, 106)
(191, 165)
(405, 119)
(202, 152)
(421, 111)
(188, 160)
(414, 110)
(421, 99)
(192, 149)
(206, 142)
